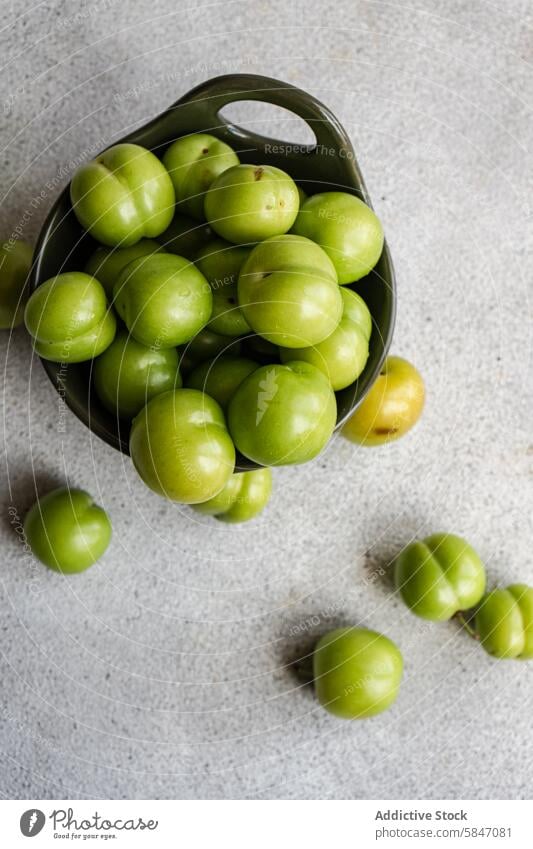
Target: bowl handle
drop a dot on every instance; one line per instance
(199, 110)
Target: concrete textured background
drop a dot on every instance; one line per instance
(164, 670)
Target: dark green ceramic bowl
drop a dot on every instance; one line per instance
(329, 165)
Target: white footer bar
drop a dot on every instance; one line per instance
(267, 824)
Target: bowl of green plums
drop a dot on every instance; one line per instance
(213, 302)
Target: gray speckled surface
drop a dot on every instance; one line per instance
(162, 672)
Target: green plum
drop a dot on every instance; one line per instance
(227, 317)
(181, 448)
(128, 374)
(343, 355)
(283, 414)
(390, 408)
(301, 195)
(15, 264)
(259, 349)
(220, 263)
(207, 345)
(245, 495)
(69, 319)
(185, 236)
(193, 162)
(220, 378)
(107, 264)
(123, 195)
(504, 622)
(163, 299)
(67, 531)
(348, 230)
(288, 292)
(439, 576)
(248, 203)
(357, 673)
